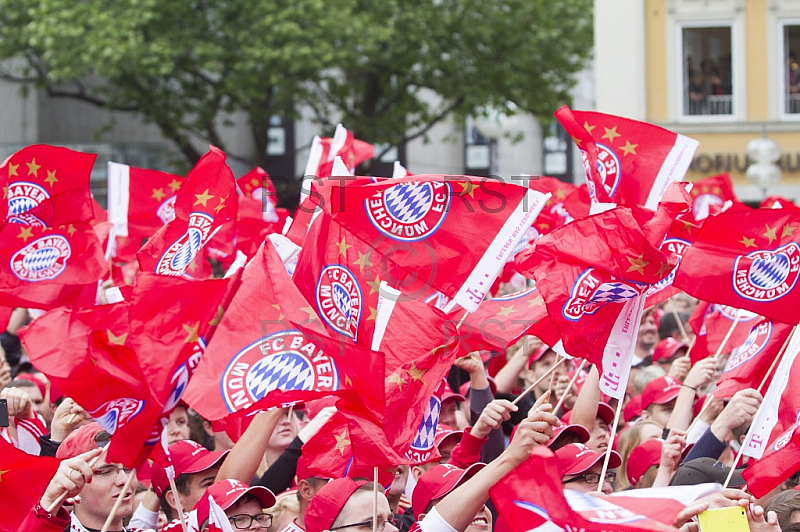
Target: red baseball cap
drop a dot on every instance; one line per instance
(79, 441)
(576, 458)
(187, 457)
(632, 408)
(437, 482)
(227, 492)
(660, 391)
(328, 503)
(604, 412)
(450, 394)
(444, 433)
(579, 430)
(539, 353)
(666, 349)
(36, 380)
(643, 456)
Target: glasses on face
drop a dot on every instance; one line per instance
(368, 525)
(110, 471)
(245, 521)
(593, 478)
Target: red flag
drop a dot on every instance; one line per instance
(749, 362)
(264, 355)
(679, 238)
(627, 162)
(554, 214)
(777, 202)
(47, 186)
(205, 202)
(749, 260)
(710, 194)
(324, 150)
(47, 267)
(257, 185)
(711, 324)
(23, 481)
(452, 233)
(780, 461)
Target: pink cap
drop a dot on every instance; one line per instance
(660, 391)
(632, 408)
(35, 380)
(438, 482)
(539, 353)
(328, 502)
(187, 457)
(227, 492)
(580, 431)
(576, 458)
(643, 456)
(79, 441)
(666, 349)
(450, 394)
(445, 433)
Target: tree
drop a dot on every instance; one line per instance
(387, 69)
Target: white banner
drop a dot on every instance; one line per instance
(618, 354)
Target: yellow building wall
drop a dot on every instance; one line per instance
(656, 59)
(757, 75)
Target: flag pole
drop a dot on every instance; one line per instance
(530, 388)
(608, 451)
(58, 502)
(680, 324)
(375, 499)
(118, 502)
(178, 505)
(569, 387)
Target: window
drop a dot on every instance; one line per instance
(791, 68)
(707, 71)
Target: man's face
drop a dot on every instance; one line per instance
(599, 436)
(358, 509)
(447, 416)
(198, 484)
(481, 523)
(178, 425)
(446, 449)
(648, 333)
(579, 483)
(99, 496)
(661, 413)
(541, 367)
(37, 400)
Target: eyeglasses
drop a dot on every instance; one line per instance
(368, 524)
(244, 521)
(593, 478)
(108, 471)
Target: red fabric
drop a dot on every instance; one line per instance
(711, 323)
(301, 221)
(586, 268)
(353, 153)
(710, 195)
(679, 238)
(780, 461)
(47, 267)
(532, 494)
(22, 483)
(749, 260)
(467, 451)
(47, 186)
(256, 184)
(748, 363)
(207, 200)
(624, 159)
(554, 214)
(777, 202)
(265, 339)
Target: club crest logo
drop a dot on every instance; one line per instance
(531, 235)
(182, 252)
(600, 510)
(671, 246)
(166, 211)
(339, 299)
(281, 361)
(23, 197)
(592, 290)
(784, 439)
(756, 342)
(608, 167)
(409, 212)
(559, 210)
(767, 275)
(117, 413)
(43, 259)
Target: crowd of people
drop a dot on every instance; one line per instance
(672, 433)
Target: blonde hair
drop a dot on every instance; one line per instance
(628, 441)
(648, 478)
(286, 508)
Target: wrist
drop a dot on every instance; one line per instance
(693, 388)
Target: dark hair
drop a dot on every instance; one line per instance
(668, 325)
(21, 383)
(784, 504)
(182, 485)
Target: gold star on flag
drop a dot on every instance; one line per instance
(220, 206)
(787, 231)
(25, 233)
(717, 191)
(748, 242)
(363, 260)
(341, 441)
(664, 267)
(373, 314)
(347, 381)
(588, 127)
(5, 192)
(71, 229)
(312, 314)
(637, 264)
(343, 246)
(33, 168)
(218, 317)
(375, 285)
(416, 373)
(3, 472)
(397, 379)
(536, 301)
(158, 194)
(255, 182)
(576, 140)
(560, 194)
(202, 199)
(629, 148)
(611, 134)
(467, 188)
(688, 226)
(174, 185)
(191, 332)
(51, 178)
(506, 311)
(770, 233)
(113, 339)
(12, 170)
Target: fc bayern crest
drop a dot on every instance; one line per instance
(426, 434)
(672, 246)
(592, 290)
(756, 342)
(41, 260)
(339, 299)
(608, 166)
(23, 197)
(784, 439)
(166, 211)
(767, 275)
(114, 414)
(409, 212)
(182, 252)
(281, 361)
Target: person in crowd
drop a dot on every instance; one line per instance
(635, 436)
(653, 462)
(243, 505)
(786, 506)
(26, 426)
(178, 425)
(581, 467)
